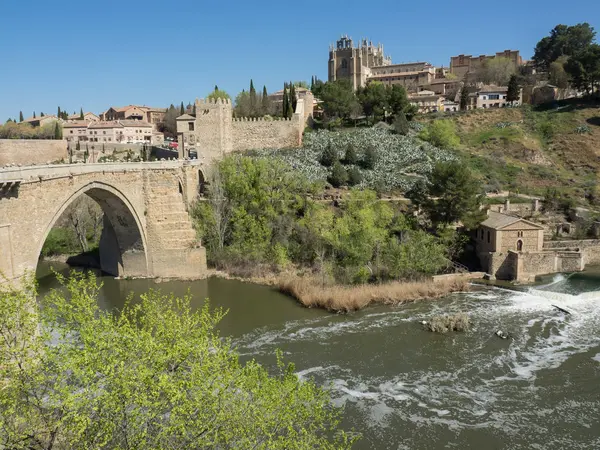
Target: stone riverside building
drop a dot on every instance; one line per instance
(147, 231)
(213, 131)
(512, 248)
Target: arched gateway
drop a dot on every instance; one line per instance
(147, 231)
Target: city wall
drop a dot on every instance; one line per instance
(251, 134)
(32, 151)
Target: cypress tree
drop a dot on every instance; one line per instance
(181, 110)
(284, 107)
(464, 98)
(293, 100)
(34, 114)
(216, 88)
(20, 116)
(41, 114)
(253, 105)
(58, 114)
(81, 116)
(265, 101)
(57, 131)
(513, 93)
(312, 82)
(338, 176)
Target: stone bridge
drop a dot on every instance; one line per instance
(147, 230)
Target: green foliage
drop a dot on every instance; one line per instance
(57, 131)
(418, 254)
(374, 100)
(370, 159)
(339, 175)
(464, 98)
(452, 194)
(441, 133)
(60, 241)
(350, 157)
(218, 93)
(81, 116)
(354, 176)
(514, 91)
(338, 98)
(563, 41)
(21, 116)
(401, 124)
(155, 375)
(557, 202)
(329, 156)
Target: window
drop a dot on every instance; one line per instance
(494, 97)
(519, 245)
(71, 131)
(104, 132)
(344, 64)
(488, 237)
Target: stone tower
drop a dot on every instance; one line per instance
(355, 63)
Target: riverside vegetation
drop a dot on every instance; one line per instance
(262, 215)
(154, 375)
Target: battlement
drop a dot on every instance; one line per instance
(260, 119)
(213, 101)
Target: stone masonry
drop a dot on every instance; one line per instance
(213, 132)
(32, 151)
(147, 230)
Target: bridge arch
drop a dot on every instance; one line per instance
(123, 243)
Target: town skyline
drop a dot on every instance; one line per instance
(205, 47)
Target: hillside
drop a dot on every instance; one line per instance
(528, 151)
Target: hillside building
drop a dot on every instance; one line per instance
(461, 65)
(88, 116)
(40, 121)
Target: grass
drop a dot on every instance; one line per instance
(453, 322)
(310, 293)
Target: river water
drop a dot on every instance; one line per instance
(405, 388)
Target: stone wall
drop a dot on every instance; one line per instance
(530, 265)
(251, 134)
(502, 266)
(590, 248)
(31, 151)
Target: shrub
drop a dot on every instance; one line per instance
(351, 157)
(329, 156)
(453, 322)
(370, 158)
(441, 133)
(401, 124)
(339, 175)
(354, 176)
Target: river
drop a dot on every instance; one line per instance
(405, 388)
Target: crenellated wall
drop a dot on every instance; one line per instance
(213, 132)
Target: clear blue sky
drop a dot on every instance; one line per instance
(97, 54)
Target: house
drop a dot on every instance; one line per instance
(495, 97)
(88, 116)
(120, 131)
(310, 102)
(411, 76)
(427, 101)
(450, 106)
(40, 121)
(462, 65)
(501, 238)
(444, 86)
(76, 130)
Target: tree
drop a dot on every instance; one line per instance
(156, 375)
(312, 83)
(514, 91)
(464, 98)
(169, 125)
(563, 41)
(284, 107)
(370, 158)
(293, 98)
(34, 114)
(401, 124)
(418, 253)
(557, 74)
(398, 99)
(266, 102)
(216, 94)
(57, 131)
(450, 194)
(584, 68)
(374, 99)
(338, 176)
(441, 133)
(329, 156)
(58, 114)
(21, 116)
(242, 105)
(496, 71)
(253, 102)
(81, 116)
(338, 98)
(181, 110)
(354, 176)
(350, 157)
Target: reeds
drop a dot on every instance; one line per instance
(312, 294)
(452, 322)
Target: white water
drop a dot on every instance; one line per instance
(388, 372)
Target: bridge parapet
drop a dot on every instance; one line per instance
(36, 173)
